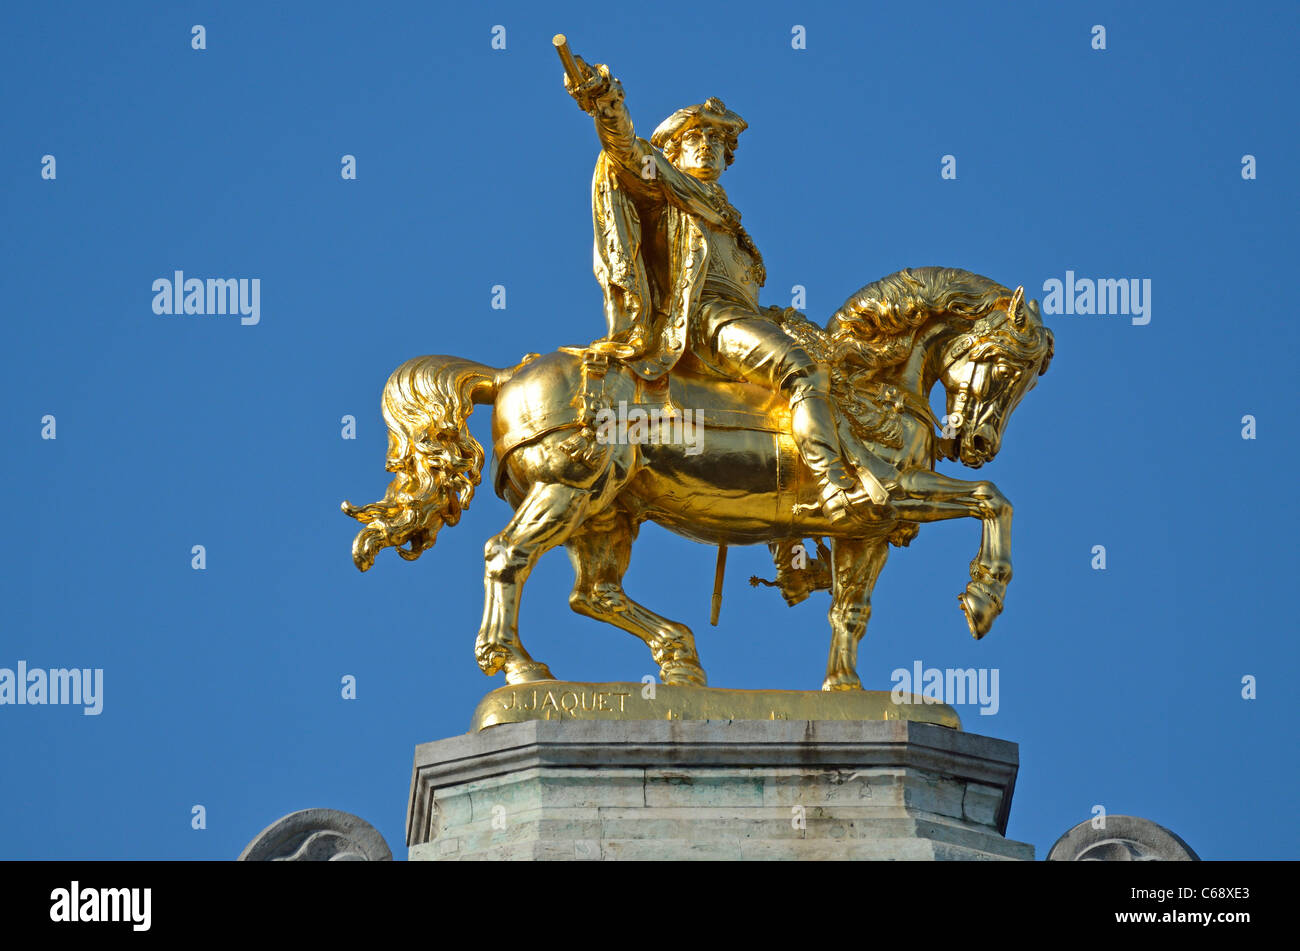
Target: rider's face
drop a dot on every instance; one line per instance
(702, 153)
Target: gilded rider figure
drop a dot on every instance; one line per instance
(680, 272)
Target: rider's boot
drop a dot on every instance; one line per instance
(877, 475)
(843, 497)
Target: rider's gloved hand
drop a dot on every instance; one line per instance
(598, 92)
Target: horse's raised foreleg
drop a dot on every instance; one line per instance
(545, 518)
(856, 565)
(600, 552)
(935, 497)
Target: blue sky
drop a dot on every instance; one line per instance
(1123, 687)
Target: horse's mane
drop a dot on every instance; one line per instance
(884, 314)
(902, 301)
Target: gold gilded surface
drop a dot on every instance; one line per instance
(722, 420)
(560, 700)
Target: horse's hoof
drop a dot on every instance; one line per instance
(980, 610)
(842, 682)
(528, 673)
(683, 674)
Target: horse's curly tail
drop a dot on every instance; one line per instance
(435, 461)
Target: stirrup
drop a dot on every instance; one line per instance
(853, 505)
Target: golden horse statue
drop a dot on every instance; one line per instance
(585, 451)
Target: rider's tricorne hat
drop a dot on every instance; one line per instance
(711, 112)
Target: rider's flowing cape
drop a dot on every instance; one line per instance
(646, 296)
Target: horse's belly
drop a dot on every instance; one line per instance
(730, 486)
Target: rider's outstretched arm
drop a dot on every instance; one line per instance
(601, 97)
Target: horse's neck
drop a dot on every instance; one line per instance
(922, 368)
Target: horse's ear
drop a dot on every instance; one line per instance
(1014, 310)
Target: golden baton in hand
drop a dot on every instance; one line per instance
(571, 66)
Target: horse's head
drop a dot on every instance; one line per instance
(987, 371)
(988, 345)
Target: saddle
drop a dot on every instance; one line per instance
(602, 383)
(716, 402)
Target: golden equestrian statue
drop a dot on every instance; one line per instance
(721, 420)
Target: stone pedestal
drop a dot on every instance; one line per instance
(713, 789)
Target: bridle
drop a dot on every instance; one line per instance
(958, 418)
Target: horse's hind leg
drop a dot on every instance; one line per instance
(548, 513)
(600, 552)
(855, 568)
